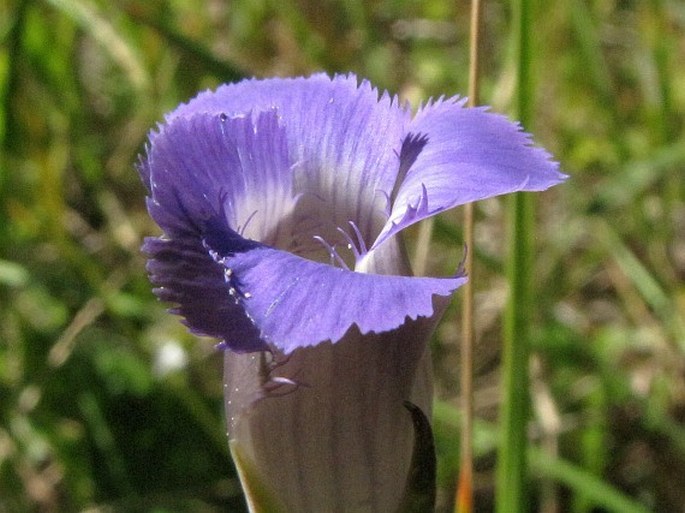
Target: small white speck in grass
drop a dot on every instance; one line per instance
(170, 357)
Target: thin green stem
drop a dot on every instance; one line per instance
(512, 463)
(511, 472)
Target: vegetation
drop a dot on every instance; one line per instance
(107, 404)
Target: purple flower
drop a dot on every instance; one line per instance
(281, 203)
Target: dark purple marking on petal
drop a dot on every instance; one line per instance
(411, 147)
(185, 274)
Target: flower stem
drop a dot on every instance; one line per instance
(512, 463)
(464, 499)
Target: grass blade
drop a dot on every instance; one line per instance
(512, 462)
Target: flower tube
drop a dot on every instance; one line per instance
(281, 203)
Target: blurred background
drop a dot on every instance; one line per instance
(108, 405)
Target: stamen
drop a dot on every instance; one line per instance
(332, 252)
(350, 243)
(241, 230)
(360, 240)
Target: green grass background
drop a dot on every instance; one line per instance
(91, 419)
